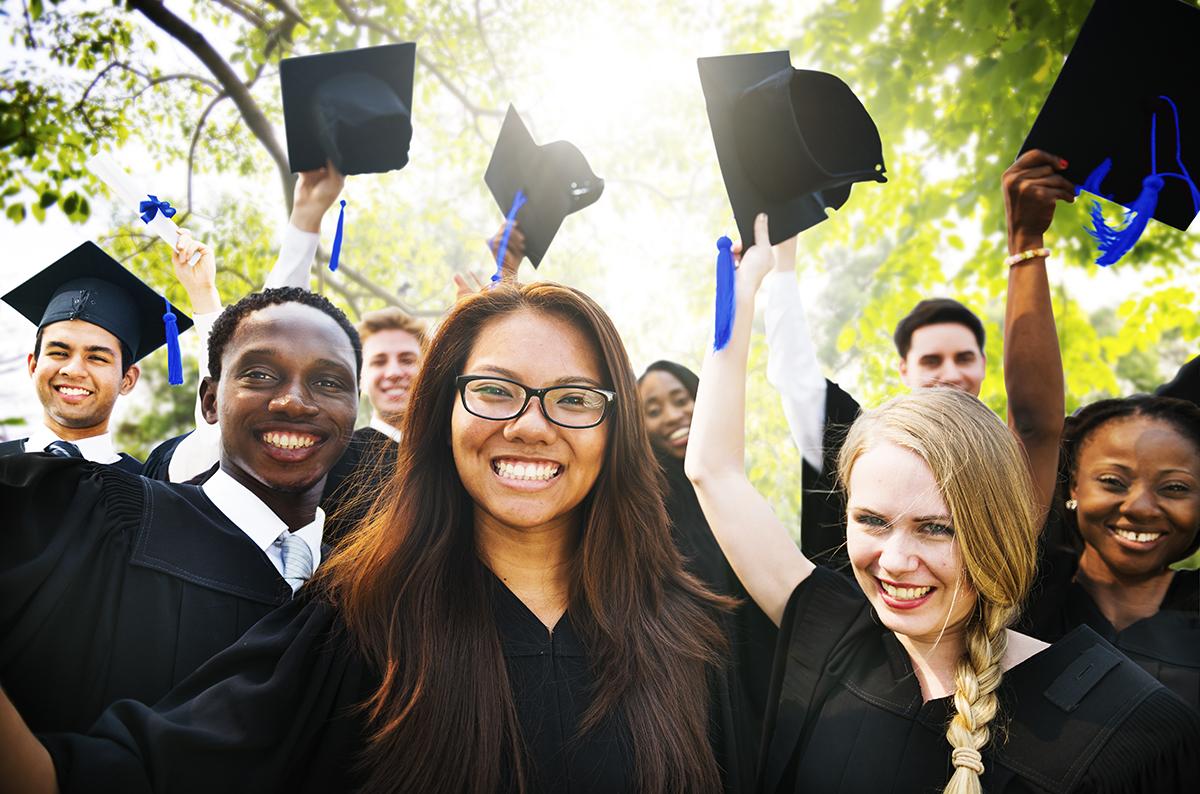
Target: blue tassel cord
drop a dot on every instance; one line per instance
(725, 294)
(1115, 243)
(509, 220)
(174, 359)
(336, 251)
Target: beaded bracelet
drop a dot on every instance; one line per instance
(1025, 256)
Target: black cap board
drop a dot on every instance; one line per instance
(88, 284)
(352, 107)
(790, 142)
(554, 177)
(1108, 99)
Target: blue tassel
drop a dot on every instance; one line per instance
(725, 294)
(1096, 179)
(1115, 243)
(174, 359)
(518, 202)
(337, 239)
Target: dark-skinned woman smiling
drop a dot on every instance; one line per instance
(511, 616)
(114, 586)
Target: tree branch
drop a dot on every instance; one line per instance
(255, 119)
(196, 139)
(248, 14)
(355, 18)
(289, 11)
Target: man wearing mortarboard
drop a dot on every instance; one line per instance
(95, 320)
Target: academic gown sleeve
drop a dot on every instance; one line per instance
(277, 711)
(822, 512)
(66, 521)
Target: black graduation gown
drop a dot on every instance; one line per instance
(114, 586)
(277, 712)
(751, 633)
(126, 463)
(1166, 645)
(359, 474)
(822, 510)
(356, 480)
(848, 714)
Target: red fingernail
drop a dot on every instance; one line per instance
(1062, 162)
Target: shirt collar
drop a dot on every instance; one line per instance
(390, 431)
(98, 449)
(252, 516)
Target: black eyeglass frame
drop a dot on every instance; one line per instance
(462, 381)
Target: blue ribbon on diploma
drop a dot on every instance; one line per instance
(152, 207)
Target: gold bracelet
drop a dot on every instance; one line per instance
(1025, 256)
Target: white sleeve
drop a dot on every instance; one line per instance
(199, 451)
(297, 250)
(792, 366)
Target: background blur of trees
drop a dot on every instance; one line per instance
(952, 84)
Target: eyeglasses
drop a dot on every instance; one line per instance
(502, 399)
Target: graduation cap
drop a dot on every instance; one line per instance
(790, 142)
(538, 185)
(1125, 114)
(353, 108)
(88, 284)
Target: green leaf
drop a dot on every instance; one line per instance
(16, 213)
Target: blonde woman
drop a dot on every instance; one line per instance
(908, 678)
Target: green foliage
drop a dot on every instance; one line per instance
(952, 84)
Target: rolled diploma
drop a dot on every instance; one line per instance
(104, 166)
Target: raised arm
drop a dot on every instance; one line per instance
(792, 366)
(314, 194)
(1033, 371)
(757, 545)
(199, 450)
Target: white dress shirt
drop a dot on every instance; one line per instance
(98, 449)
(792, 366)
(258, 521)
(198, 452)
(391, 431)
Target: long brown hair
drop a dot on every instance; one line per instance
(414, 595)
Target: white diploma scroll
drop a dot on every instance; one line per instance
(130, 195)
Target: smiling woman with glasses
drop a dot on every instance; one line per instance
(511, 616)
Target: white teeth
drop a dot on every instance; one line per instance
(1140, 537)
(905, 593)
(74, 392)
(680, 433)
(525, 471)
(289, 440)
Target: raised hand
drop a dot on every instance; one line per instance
(313, 195)
(200, 279)
(1031, 187)
(513, 254)
(754, 264)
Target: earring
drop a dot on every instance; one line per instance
(1072, 504)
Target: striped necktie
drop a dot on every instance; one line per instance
(63, 449)
(297, 561)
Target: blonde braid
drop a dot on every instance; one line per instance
(975, 700)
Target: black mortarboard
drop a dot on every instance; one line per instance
(88, 284)
(352, 107)
(1108, 98)
(554, 179)
(790, 142)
